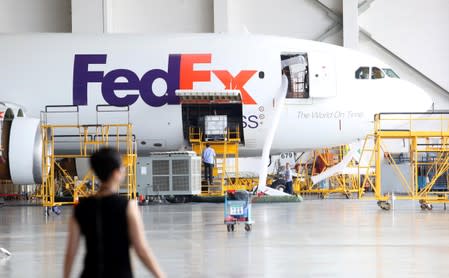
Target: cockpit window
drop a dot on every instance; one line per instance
(362, 73)
(377, 73)
(390, 73)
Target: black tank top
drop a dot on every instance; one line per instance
(103, 222)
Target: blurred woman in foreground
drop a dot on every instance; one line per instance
(110, 225)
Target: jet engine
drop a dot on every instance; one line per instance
(20, 147)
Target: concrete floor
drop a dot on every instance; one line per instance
(316, 238)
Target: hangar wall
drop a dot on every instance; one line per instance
(420, 55)
(299, 19)
(35, 16)
(168, 16)
(90, 16)
(423, 42)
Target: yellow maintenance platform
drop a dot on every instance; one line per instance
(61, 187)
(226, 170)
(421, 169)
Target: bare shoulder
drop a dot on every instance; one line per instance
(131, 209)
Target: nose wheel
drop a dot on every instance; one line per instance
(425, 206)
(384, 205)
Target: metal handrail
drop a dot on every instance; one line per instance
(408, 122)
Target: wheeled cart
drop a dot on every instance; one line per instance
(237, 209)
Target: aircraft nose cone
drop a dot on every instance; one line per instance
(425, 102)
(417, 99)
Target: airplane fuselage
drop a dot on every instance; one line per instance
(144, 72)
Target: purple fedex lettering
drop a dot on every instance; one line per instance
(109, 86)
(171, 78)
(82, 76)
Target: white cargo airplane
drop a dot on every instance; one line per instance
(332, 94)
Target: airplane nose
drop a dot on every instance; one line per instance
(417, 99)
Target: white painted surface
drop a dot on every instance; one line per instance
(35, 16)
(350, 24)
(416, 31)
(319, 122)
(156, 16)
(22, 150)
(439, 96)
(221, 16)
(294, 18)
(89, 16)
(414, 21)
(268, 140)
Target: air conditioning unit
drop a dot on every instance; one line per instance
(169, 173)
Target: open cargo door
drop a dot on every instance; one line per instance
(323, 81)
(196, 106)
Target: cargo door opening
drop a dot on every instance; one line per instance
(296, 67)
(219, 115)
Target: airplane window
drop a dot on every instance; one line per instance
(390, 73)
(377, 73)
(362, 73)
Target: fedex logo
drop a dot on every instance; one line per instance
(180, 74)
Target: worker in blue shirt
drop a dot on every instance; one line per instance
(208, 160)
(288, 179)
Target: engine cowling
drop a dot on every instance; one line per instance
(6, 117)
(21, 145)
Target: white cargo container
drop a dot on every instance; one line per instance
(215, 127)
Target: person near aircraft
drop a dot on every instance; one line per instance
(208, 161)
(288, 179)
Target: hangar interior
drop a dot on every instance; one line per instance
(375, 206)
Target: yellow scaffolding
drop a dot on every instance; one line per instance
(59, 187)
(427, 137)
(345, 184)
(227, 169)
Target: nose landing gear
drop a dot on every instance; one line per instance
(425, 206)
(384, 205)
